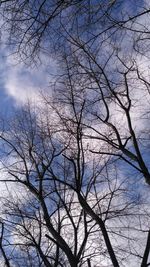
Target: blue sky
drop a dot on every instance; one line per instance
(19, 81)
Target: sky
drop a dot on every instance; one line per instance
(19, 82)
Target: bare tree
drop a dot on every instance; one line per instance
(35, 26)
(81, 156)
(97, 58)
(91, 40)
(76, 210)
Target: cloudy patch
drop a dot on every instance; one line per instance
(24, 83)
(20, 82)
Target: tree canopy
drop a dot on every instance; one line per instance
(76, 164)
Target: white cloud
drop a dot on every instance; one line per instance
(23, 82)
